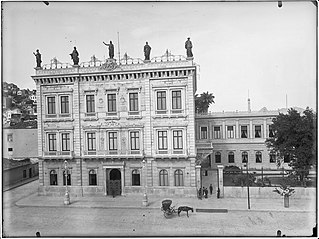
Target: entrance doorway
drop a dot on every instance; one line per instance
(114, 182)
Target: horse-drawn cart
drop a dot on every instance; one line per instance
(167, 209)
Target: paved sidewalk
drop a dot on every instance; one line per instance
(135, 201)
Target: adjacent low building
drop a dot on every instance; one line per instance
(237, 138)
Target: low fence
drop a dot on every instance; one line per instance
(267, 192)
(267, 178)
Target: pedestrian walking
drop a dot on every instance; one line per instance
(211, 189)
(206, 193)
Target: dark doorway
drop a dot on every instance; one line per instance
(114, 184)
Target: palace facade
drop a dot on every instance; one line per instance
(111, 129)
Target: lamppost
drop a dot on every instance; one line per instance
(248, 185)
(145, 200)
(67, 196)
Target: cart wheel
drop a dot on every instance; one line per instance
(166, 214)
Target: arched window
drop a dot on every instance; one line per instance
(163, 178)
(258, 157)
(244, 157)
(68, 177)
(231, 157)
(218, 157)
(92, 177)
(136, 178)
(178, 177)
(53, 178)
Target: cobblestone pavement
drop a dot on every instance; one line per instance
(24, 213)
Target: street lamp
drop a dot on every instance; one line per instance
(67, 196)
(248, 185)
(145, 200)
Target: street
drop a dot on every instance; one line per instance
(64, 221)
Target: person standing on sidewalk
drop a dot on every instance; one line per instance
(211, 189)
(218, 193)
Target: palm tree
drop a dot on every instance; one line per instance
(203, 102)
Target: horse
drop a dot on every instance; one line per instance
(184, 208)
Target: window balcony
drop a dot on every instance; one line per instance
(58, 153)
(113, 152)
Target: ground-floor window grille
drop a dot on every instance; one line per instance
(178, 176)
(92, 177)
(163, 178)
(53, 178)
(136, 179)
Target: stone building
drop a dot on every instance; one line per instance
(117, 128)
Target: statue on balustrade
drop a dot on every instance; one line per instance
(38, 58)
(75, 56)
(188, 47)
(111, 49)
(147, 51)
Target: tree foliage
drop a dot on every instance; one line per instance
(203, 102)
(295, 137)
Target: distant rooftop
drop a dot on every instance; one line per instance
(29, 124)
(262, 112)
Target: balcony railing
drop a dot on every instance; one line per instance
(113, 152)
(58, 153)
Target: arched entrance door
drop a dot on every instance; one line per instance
(114, 182)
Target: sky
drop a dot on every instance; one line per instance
(243, 49)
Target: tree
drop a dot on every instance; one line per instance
(295, 138)
(203, 102)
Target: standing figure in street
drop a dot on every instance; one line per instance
(111, 49)
(218, 193)
(211, 189)
(37, 234)
(147, 51)
(75, 56)
(38, 58)
(188, 47)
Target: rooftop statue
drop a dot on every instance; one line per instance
(188, 47)
(147, 51)
(111, 49)
(75, 56)
(38, 58)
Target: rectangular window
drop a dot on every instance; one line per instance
(272, 157)
(65, 105)
(178, 139)
(176, 99)
(257, 131)
(162, 140)
(243, 131)
(135, 140)
(90, 104)
(92, 177)
(65, 138)
(218, 157)
(10, 149)
(24, 173)
(51, 105)
(133, 101)
(52, 142)
(161, 100)
(91, 143)
(112, 140)
(10, 137)
(203, 132)
(111, 102)
(217, 132)
(230, 132)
